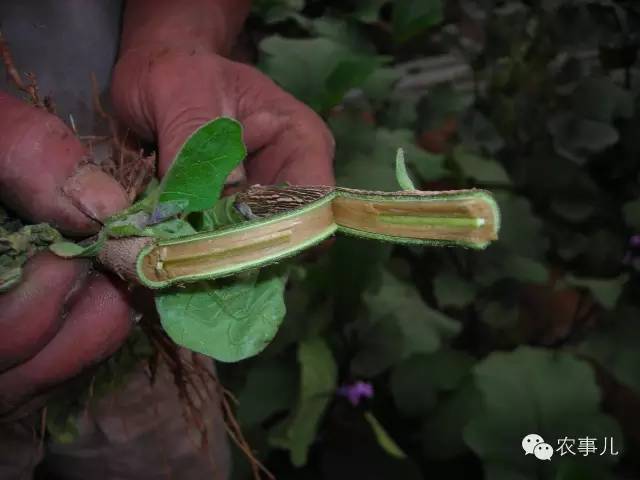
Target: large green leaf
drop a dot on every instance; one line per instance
(330, 68)
(535, 391)
(483, 170)
(400, 324)
(497, 263)
(347, 34)
(270, 388)
(274, 11)
(202, 165)
(368, 11)
(229, 319)
(578, 138)
(424, 328)
(479, 134)
(318, 379)
(413, 392)
(615, 346)
(451, 290)
(380, 346)
(606, 291)
(521, 229)
(442, 103)
(631, 212)
(602, 100)
(500, 315)
(413, 17)
(442, 430)
(417, 381)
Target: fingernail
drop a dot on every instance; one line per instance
(95, 193)
(238, 175)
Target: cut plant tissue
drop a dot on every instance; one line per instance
(181, 239)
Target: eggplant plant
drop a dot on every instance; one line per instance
(181, 239)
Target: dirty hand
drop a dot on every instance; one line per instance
(62, 317)
(165, 86)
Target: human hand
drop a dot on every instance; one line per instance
(166, 94)
(62, 317)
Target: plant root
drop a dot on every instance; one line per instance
(28, 86)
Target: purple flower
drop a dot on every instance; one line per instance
(355, 392)
(632, 256)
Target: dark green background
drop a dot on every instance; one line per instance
(467, 351)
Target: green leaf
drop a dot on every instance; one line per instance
(127, 225)
(18, 243)
(274, 11)
(202, 165)
(578, 138)
(345, 33)
(500, 315)
(479, 134)
(411, 387)
(133, 220)
(451, 290)
(330, 69)
(397, 311)
(365, 156)
(614, 346)
(384, 440)
(229, 319)
(170, 229)
(413, 17)
(538, 391)
(498, 263)
(606, 291)
(428, 165)
(399, 111)
(368, 11)
(442, 103)
(402, 176)
(380, 345)
(481, 169)
(574, 209)
(631, 212)
(270, 388)
(9, 278)
(602, 100)
(62, 422)
(223, 213)
(378, 85)
(317, 385)
(521, 229)
(417, 381)
(442, 431)
(424, 328)
(73, 250)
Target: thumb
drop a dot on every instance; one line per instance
(41, 176)
(168, 96)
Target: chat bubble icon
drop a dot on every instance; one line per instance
(530, 441)
(543, 451)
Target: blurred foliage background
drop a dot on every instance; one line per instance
(466, 351)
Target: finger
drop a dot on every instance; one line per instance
(96, 326)
(32, 312)
(287, 141)
(40, 177)
(181, 95)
